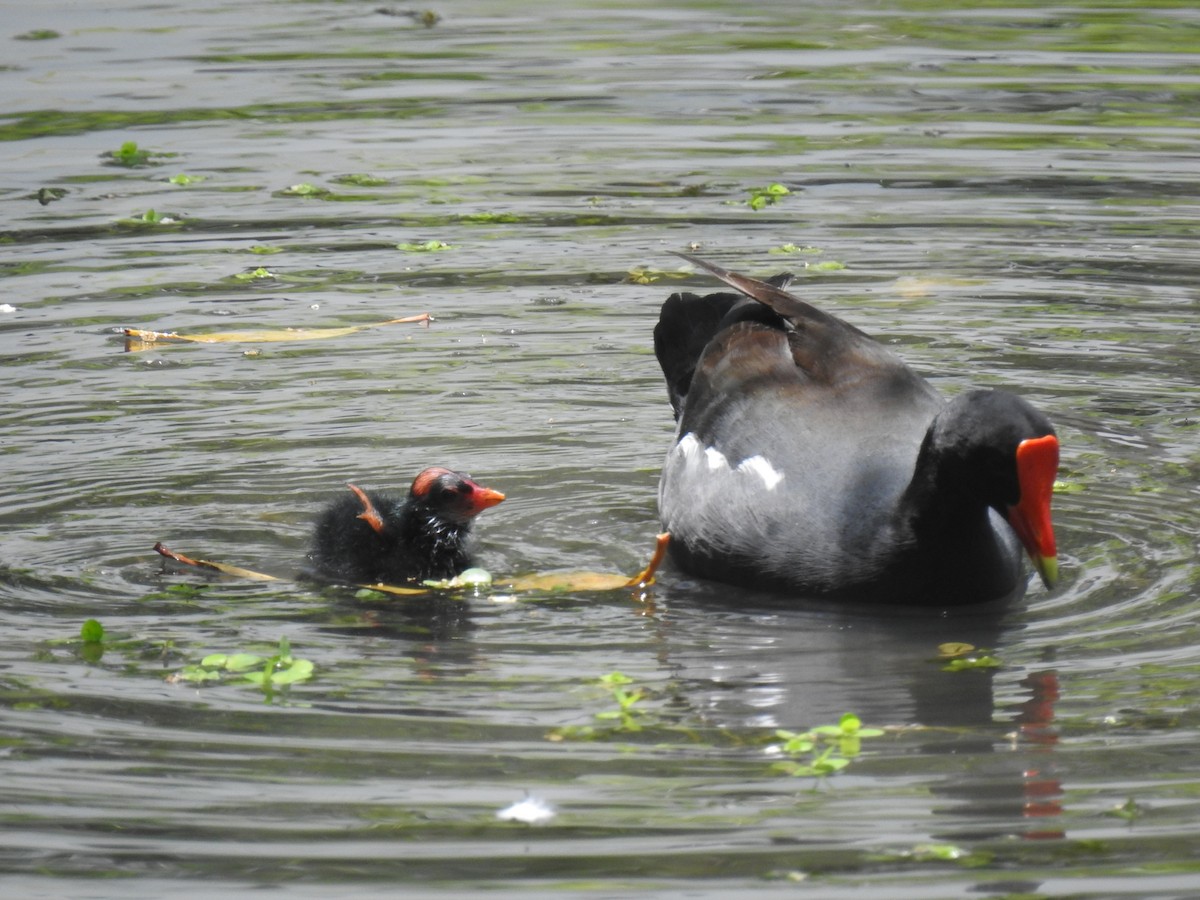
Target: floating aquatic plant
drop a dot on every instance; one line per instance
(268, 672)
(646, 275)
(91, 632)
(131, 156)
(794, 248)
(47, 195)
(761, 197)
(424, 247)
(960, 657)
(626, 717)
(254, 274)
(304, 189)
(361, 180)
(826, 749)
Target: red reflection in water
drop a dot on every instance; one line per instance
(1041, 789)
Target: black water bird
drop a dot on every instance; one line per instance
(810, 459)
(367, 538)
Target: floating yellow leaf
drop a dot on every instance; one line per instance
(549, 583)
(136, 339)
(564, 582)
(236, 571)
(557, 582)
(952, 649)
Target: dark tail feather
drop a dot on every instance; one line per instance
(770, 293)
(686, 323)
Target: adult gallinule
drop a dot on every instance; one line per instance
(808, 458)
(365, 537)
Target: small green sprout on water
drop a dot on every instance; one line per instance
(359, 180)
(38, 34)
(92, 634)
(490, 218)
(304, 189)
(268, 672)
(258, 274)
(151, 217)
(828, 748)
(188, 593)
(424, 247)
(47, 195)
(794, 248)
(645, 275)
(626, 718)
(265, 249)
(184, 180)
(1130, 811)
(761, 197)
(626, 714)
(131, 156)
(938, 853)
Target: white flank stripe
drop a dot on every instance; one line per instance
(716, 459)
(758, 465)
(688, 445)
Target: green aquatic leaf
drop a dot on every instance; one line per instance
(152, 217)
(1129, 810)
(236, 662)
(299, 670)
(647, 275)
(966, 663)
(129, 154)
(1067, 487)
(196, 674)
(794, 743)
(304, 189)
(490, 218)
(761, 197)
(358, 180)
(254, 274)
(425, 247)
(942, 852)
(47, 195)
(92, 632)
(277, 673)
